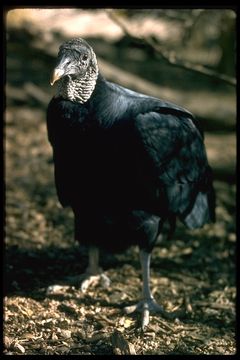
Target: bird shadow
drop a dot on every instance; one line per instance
(30, 271)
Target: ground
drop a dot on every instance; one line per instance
(195, 271)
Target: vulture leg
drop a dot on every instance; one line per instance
(94, 274)
(148, 303)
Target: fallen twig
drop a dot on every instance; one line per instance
(214, 305)
(170, 56)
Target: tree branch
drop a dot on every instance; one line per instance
(169, 56)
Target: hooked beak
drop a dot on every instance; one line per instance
(56, 75)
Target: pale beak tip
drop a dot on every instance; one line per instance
(57, 74)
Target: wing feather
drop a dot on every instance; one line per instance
(175, 151)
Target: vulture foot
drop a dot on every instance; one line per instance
(88, 280)
(83, 281)
(149, 305)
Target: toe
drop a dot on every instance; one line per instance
(89, 281)
(145, 317)
(105, 281)
(93, 280)
(130, 309)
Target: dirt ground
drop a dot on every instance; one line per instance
(195, 271)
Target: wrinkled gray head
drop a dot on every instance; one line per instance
(75, 57)
(76, 70)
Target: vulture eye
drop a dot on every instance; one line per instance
(85, 57)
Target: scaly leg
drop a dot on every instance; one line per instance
(148, 303)
(94, 274)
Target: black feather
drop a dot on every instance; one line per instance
(125, 163)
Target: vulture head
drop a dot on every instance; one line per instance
(76, 70)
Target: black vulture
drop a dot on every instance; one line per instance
(125, 163)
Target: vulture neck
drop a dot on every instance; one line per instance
(78, 89)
